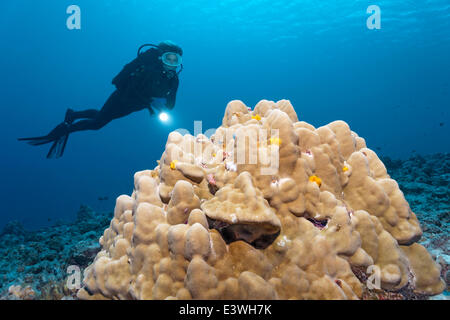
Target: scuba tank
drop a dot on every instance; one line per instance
(145, 45)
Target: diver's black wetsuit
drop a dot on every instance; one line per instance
(137, 84)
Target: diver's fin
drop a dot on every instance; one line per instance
(51, 152)
(37, 141)
(64, 145)
(57, 136)
(57, 149)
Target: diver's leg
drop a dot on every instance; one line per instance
(117, 106)
(91, 124)
(72, 115)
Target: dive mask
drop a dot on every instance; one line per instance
(172, 59)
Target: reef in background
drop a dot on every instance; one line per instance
(425, 182)
(33, 265)
(39, 259)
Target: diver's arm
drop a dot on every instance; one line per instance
(172, 96)
(150, 109)
(156, 105)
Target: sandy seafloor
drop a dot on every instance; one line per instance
(33, 265)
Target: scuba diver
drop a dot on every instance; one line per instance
(148, 79)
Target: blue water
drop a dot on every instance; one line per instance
(391, 85)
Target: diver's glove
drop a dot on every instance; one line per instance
(156, 105)
(159, 103)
